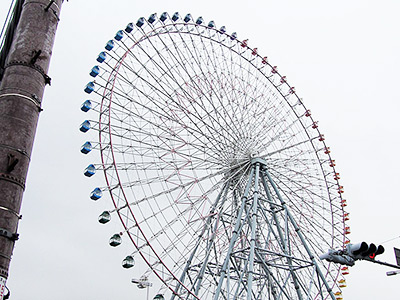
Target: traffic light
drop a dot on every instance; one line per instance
(354, 252)
(364, 251)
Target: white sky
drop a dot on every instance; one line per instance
(343, 59)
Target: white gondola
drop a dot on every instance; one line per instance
(105, 217)
(128, 262)
(115, 240)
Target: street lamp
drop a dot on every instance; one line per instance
(397, 255)
(143, 283)
(391, 273)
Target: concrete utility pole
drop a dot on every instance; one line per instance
(21, 91)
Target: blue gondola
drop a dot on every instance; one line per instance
(85, 126)
(96, 194)
(94, 71)
(89, 87)
(86, 147)
(86, 106)
(175, 17)
(129, 28)
(140, 22)
(109, 45)
(119, 35)
(152, 18)
(163, 16)
(187, 18)
(90, 170)
(102, 57)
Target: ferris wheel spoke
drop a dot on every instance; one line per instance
(308, 190)
(166, 63)
(169, 117)
(294, 193)
(271, 154)
(249, 117)
(210, 87)
(179, 216)
(246, 83)
(302, 178)
(283, 131)
(183, 185)
(205, 95)
(220, 80)
(317, 226)
(129, 133)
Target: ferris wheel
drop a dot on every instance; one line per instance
(219, 175)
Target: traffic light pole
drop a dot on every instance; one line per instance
(382, 263)
(21, 92)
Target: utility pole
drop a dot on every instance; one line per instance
(21, 91)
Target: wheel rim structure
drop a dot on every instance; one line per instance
(219, 175)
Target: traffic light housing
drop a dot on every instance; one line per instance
(364, 251)
(338, 256)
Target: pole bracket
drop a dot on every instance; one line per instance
(13, 179)
(4, 272)
(35, 56)
(9, 235)
(49, 5)
(47, 79)
(12, 162)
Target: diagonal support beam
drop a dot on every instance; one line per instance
(235, 235)
(200, 276)
(284, 242)
(223, 191)
(253, 233)
(300, 234)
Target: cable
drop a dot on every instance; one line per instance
(390, 239)
(5, 22)
(8, 35)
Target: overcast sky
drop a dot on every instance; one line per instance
(343, 59)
